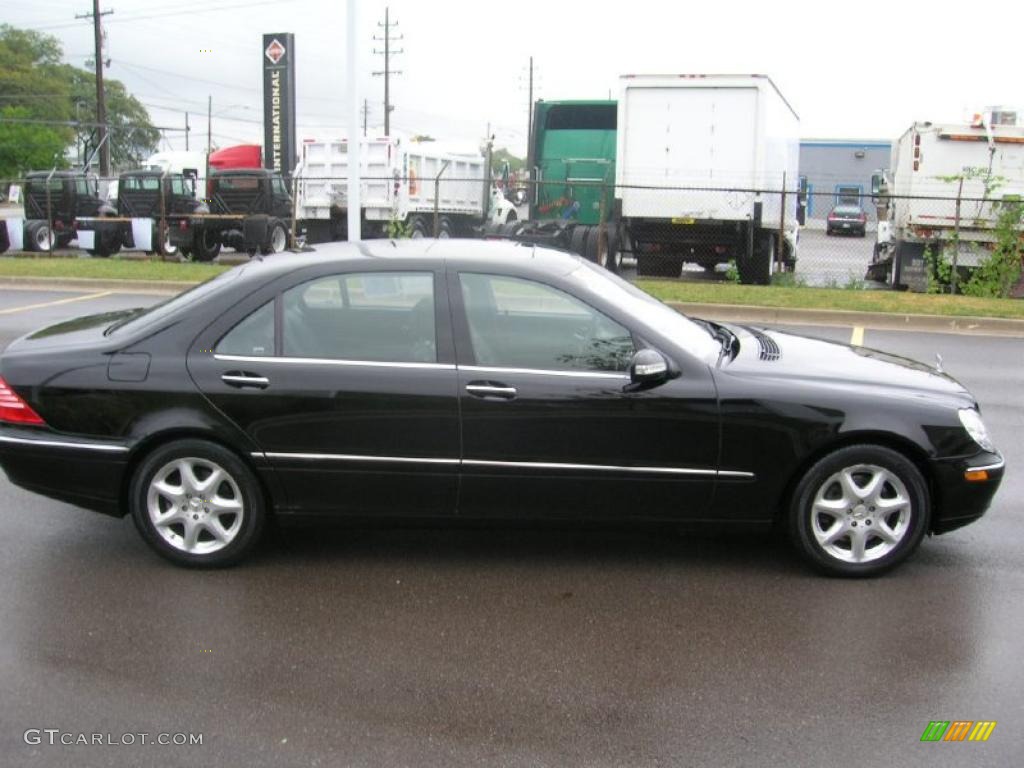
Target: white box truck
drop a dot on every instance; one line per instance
(400, 182)
(932, 165)
(701, 164)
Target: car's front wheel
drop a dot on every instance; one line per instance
(859, 511)
(197, 504)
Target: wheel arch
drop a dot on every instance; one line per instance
(891, 440)
(141, 450)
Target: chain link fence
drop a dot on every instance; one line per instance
(740, 234)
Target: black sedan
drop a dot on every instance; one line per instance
(847, 219)
(481, 380)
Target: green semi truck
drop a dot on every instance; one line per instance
(571, 161)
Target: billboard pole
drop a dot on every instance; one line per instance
(354, 145)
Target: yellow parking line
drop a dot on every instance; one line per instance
(857, 337)
(44, 304)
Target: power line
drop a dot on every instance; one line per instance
(181, 11)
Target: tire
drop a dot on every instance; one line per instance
(204, 247)
(39, 238)
(758, 270)
(512, 217)
(591, 249)
(194, 534)
(444, 229)
(827, 506)
(417, 228)
(162, 245)
(277, 239)
(613, 249)
(578, 240)
(64, 239)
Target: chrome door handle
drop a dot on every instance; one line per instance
(242, 379)
(491, 390)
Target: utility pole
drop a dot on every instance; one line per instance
(209, 137)
(387, 53)
(529, 112)
(187, 129)
(101, 101)
(366, 114)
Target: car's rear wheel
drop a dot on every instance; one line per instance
(197, 504)
(859, 511)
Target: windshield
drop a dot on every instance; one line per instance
(158, 312)
(692, 337)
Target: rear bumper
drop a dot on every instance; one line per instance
(85, 472)
(959, 501)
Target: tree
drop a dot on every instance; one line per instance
(36, 85)
(132, 137)
(25, 146)
(501, 156)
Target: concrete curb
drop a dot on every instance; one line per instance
(78, 284)
(880, 321)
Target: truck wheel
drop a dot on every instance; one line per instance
(163, 244)
(40, 238)
(578, 240)
(444, 229)
(511, 217)
(64, 239)
(613, 250)
(417, 228)
(204, 246)
(278, 239)
(757, 269)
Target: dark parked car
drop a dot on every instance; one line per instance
(481, 380)
(847, 219)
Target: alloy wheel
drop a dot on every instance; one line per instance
(861, 513)
(195, 505)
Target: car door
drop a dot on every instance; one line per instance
(550, 424)
(347, 383)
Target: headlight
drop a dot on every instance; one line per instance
(975, 427)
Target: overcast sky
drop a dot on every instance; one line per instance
(858, 69)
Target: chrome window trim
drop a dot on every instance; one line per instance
(544, 372)
(998, 465)
(590, 467)
(63, 444)
(515, 464)
(351, 457)
(328, 361)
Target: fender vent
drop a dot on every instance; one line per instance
(769, 349)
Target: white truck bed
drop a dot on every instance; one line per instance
(927, 162)
(397, 179)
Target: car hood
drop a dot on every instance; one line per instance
(779, 354)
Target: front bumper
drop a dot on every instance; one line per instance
(958, 501)
(85, 472)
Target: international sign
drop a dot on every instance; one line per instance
(279, 102)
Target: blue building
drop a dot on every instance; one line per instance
(839, 170)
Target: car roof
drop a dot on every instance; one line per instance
(462, 253)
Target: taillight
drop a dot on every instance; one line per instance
(13, 409)
(863, 217)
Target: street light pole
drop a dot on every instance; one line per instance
(354, 142)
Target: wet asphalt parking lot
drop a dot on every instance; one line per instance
(535, 647)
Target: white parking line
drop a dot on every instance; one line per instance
(857, 337)
(44, 304)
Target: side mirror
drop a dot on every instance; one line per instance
(648, 367)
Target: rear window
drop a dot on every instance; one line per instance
(140, 183)
(848, 210)
(586, 117)
(165, 309)
(231, 183)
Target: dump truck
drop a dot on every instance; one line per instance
(404, 183)
(934, 165)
